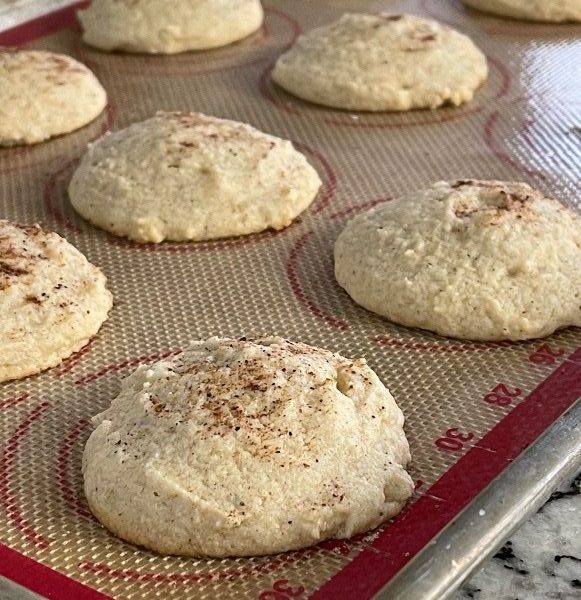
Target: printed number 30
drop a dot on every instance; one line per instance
(454, 440)
(281, 590)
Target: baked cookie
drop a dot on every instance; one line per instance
(187, 176)
(168, 27)
(52, 300)
(480, 260)
(241, 448)
(382, 62)
(43, 94)
(551, 11)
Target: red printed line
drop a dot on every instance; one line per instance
(270, 565)
(72, 361)
(132, 362)
(6, 498)
(13, 401)
(54, 179)
(181, 64)
(267, 89)
(376, 565)
(43, 580)
(330, 181)
(434, 117)
(352, 210)
(490, 140)
(199, 62)
(48, 197)
(321, 202)
(299, 292)
(29, 153)
(440, 347)
(63, 467)
(264, 87)
(294, 24)
(166, 247)
(187, 247)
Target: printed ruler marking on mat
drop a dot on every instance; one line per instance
(376, 565)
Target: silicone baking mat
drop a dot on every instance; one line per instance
(470, 408)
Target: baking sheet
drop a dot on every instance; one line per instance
(464, 428)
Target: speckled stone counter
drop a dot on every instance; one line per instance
(541, 561)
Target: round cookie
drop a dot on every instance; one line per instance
(382, 62)
(187, 176)
(550, 11)
(52, 300)
(480, 260)
(43, 95)
(168, 27)
(241, 448)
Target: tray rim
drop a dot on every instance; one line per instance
(450, 569)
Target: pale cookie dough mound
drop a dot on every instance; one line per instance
(531, 10)
(187, 176)
(382, 62)
(241, 448)
(480, 260)
(43, 95)
(52, 300)
(168, 27)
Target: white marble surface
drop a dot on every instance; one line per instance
(540, 561)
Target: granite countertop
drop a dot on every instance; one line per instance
(541, 560)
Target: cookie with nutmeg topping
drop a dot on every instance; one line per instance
(480, 260)
(168, 26)
(188, 176)
(52, 300)
(247, 447)
(550, 11)
(43, 94)
(382, 62)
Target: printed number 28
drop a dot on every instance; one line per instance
(502, 395)
(453, 440)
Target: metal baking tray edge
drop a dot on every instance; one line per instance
(516, 494)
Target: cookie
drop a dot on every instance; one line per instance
(52, 300)
(187, 176)
(43, 95)
(550, 11)
(168, 27)
(242, 448)
(383, 62)
(479, 260)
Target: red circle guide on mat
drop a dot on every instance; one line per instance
(376, 563)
